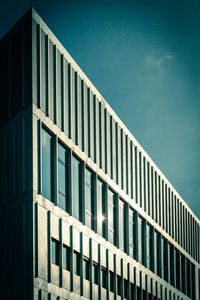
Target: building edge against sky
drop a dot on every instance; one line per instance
(76, 184)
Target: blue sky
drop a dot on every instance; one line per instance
(144, 58)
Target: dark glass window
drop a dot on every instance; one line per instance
(47, 165)
(189, 278)
(126, 289)
(140, 240)
(112, 282)
(148, 245)
(62, 177)
(77, 263)
(55, 252)
(131, 232)
(119, 288)
(162, 258)
(75, 188)
(104, 277)
(177, 270)
(121, 225)
(95, 273)
(100, 211)
(86, 269)
(88, 198)
(183, 272)
(171, 262)
(66, 258)
(111, 217)
(156, 252)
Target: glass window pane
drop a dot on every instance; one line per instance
(46, 164)
(103, 277)
(140, 240)
(66, 258)
(111, 217)
(75, 187)
(131, 232)
(95, 273)
(156, 252)
(77, 261)
(55, 252)
(148, 245)
(86, 269)
(61, 177)
(88, 198)
(100, 216)
(112, 281)
(121, 224)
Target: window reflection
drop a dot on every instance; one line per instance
(75, 188)
(61, 177)
(46, 165)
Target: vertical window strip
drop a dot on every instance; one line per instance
(100, 136)
(136, 176)
(95, 102)
(144, 186)
(122, 158)
(131, 161)
(116, 143)
(69, 101)
(111, 147)
(76, 135)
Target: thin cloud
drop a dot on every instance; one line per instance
(151, 60)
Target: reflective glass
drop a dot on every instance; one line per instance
(46, 164)
(61, 177)
(121, 224)
(100, 216)
(111, 216)
(66, 258)
(140, 240)
(75, 187)
(148, 247)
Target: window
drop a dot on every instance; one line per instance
(55, 252)
(162, 258)
(104, 277)
(131, 232)
(121, 225)
(77, 263)
(88, 198)
(183, 272)
(66, 258)
(171, 262)
(95, 273)
(100, 208)
(111, 217)
(140, 240)
(188, 278)
(156, 252)
(148, 245)
(75, 188)
(62, 177)
(126, 289)
(177, 269)
(86, 269)
(119, 288)
(47, 142)
(112, 282)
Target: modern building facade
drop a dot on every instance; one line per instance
(85, 212)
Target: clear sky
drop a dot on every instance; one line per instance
(144, 58)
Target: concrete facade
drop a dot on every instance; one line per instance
(85, 212)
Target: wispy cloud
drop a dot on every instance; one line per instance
(152, 60)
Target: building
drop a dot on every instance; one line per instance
(85, 212)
